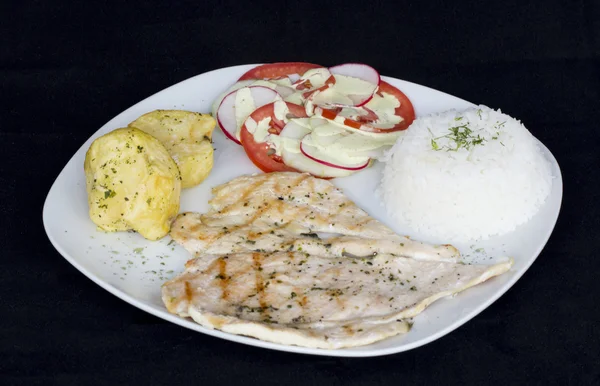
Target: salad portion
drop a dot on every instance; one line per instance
(329, 122)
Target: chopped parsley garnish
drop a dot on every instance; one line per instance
(461, 136)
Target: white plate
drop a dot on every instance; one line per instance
(133, 268)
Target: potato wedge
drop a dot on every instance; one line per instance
(187, 136)
(195, 161)
(132, 183)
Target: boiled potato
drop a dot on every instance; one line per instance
(132, 183)
(187, 137)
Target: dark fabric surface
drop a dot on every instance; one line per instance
(67, 68)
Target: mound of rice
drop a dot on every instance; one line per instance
(462, 176)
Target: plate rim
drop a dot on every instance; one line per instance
(351, 352)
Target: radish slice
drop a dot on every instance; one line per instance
(313, 79)
(345, 92)
(357, 70)
(263, 95)
(360, 100)
(314, 154)
(293, 130)
(302, 163)
(292, 157)
(284, 91)
(309, 96)
(332, 115)
(350, 71)
(238, 85)
(290, 138)
(327, 134)
(228, 113)
(304, 122)
(334, 99)
(325, 140)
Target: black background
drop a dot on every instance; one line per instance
(68, 67)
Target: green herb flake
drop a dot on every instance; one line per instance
(461, 136)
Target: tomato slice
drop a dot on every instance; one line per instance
(405, 110)
(278, 70)
(258, 152)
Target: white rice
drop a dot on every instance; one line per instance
(465, 195)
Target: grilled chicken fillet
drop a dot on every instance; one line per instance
(311, 301)
(292, 212)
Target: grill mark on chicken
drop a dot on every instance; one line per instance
(253, 235)
(303, 301)
(279, 206)
(256, 215)
(263, 207)
(189, 294)
(245, 194)
(259, 281)
(224, 279)
(360, 224)
(242, 198)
